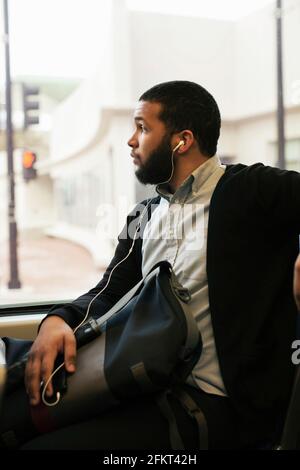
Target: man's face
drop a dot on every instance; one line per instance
(150, 144)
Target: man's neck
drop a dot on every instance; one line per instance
(183, 168)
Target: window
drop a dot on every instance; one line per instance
(89, 79)
(292, 154)
(292, 149)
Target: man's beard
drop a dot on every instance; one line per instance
(158, 166)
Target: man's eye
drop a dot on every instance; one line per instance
(143, 128)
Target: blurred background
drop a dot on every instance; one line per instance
(77, 69)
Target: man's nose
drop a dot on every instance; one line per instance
(132, 142)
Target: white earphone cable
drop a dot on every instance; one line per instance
(108, 281)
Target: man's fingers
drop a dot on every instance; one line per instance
(46, 371)
(70, 352)
(33, 379)
(54, 337)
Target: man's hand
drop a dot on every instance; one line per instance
(55, 337)
(297, 282)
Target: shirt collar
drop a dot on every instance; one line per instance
(192, 183)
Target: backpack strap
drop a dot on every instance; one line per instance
(191, 408)
(166, 410)
(196, 413)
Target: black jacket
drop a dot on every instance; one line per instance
(254, 222)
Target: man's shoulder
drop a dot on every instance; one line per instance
(259, 175)
(255, 170)
(258, 167)
(241, 167)
(239, 172)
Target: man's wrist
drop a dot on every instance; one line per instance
(54, 319)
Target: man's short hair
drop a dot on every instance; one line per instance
(187, 105)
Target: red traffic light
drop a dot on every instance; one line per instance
(28, 165)
(29, 159)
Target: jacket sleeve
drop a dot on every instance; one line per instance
(124, 277)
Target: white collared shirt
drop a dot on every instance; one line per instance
(177, 232)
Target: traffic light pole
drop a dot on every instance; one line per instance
(13, 282)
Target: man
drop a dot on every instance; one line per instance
(239, 272)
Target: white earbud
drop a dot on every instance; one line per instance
(178, 145)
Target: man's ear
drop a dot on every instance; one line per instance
(188, 139)
(178, 145)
